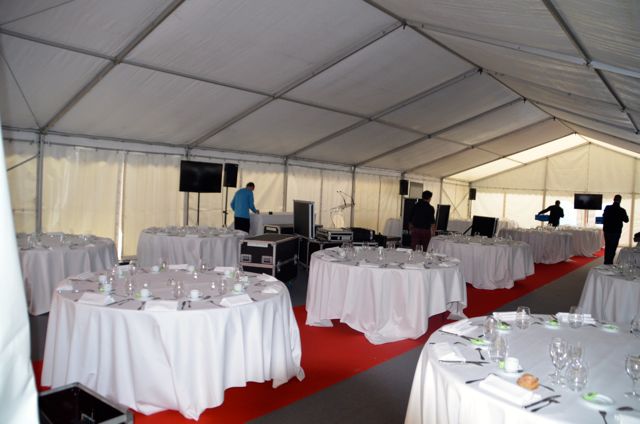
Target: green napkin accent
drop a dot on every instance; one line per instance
(504, 326)
(478, 342)
(501, 364)
(590, 396)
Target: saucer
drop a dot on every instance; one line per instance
(509, 373)
(237, 291)
(503, 326)
(552, 324)
(597, 400)
(611, 328)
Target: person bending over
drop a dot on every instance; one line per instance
(555, 213)
(241, 204)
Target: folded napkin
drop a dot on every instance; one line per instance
(91, 298)
(223, 268)
(403, 249)
(505, 316)
(272, 289)
(459, 328)
(508, 391)
(447, 352)
(627, 418)
(267, 278)
(368, 264)
(241, 299)
(413, 265)
(448, 264)
(178, 267)
(192, 235)
(161, 305)
(586, 318)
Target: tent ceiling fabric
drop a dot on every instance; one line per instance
(434, 87)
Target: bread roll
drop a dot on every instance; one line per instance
(529, 381)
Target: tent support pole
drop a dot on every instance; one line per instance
(39, 182)
(544, 192)
(353, 195)
(633, 203)
(285, 185)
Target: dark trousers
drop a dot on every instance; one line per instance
(241, 223)
(420, 236)
(610, 245)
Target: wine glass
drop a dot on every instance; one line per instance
(632, 365)
(133, 267)
(575, 317)
(523, 317)
(419, 249)
(129, 287)
(490, 328)
(558, 350)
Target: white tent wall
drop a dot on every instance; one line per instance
(519, 193)
(456, 194)
(22, 174)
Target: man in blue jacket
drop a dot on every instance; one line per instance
(612, 218)
(241, 203)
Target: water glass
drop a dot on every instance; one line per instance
(575, 317)
(490, 328)
(558, 350)
(632, 366)
(178, 290)
(523, 317)
(133, 267)
(419, 249)
(577, 375)
(163, 265)
(498, 349)
(129, 287)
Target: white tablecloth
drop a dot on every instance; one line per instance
(177, 359)
(547, 246)
(48, 263)
(189, 248)
(629, 255)
(585, 241)
(258, 221)
(609, 296)
(385, 303)
(460, 225)
(485, 263)
(439, 393)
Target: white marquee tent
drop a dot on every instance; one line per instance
(528, 101)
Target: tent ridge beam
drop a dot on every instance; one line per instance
(543, 104)
(57, 45)
(436, 133)
(479, 145)
(568, 123)
(376, 117)
(291, 86)
(561, 21)
(110, 66)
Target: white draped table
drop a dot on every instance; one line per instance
(189, 245)
(460, 225)
(610, 295)
(547, 246)
(629, 255)
(182, 358)
(49, 258)
(258, 221)
(487, 263)
(439, 394)
(382, 299)
(585, 241)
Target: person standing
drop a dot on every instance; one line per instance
(241, 203)
(422, 222)
(612, 220)
(555, 213)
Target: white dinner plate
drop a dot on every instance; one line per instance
(597, 400)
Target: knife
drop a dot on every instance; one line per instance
(478, 363)
(548, 398)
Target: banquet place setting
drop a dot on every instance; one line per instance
(303, 211)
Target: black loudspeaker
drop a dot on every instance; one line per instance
(230, 175)
(472, 194)
(404, 187)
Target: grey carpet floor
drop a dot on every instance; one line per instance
(379, 394)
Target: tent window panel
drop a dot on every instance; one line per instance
(305, 184)
(151, 196)
(80, 190)
(521, 208)
(367, 199)
(389, 201)
(269, 181)
(22, 183)
(488, 203)
(211, 205)
(334, 213)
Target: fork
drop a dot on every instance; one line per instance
(549, 402)
(603, 414)
(479, 349)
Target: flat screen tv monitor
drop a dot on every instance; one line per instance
(484, 226)
(442, 217)
(200, 177)
(587, 201)
(303, 223)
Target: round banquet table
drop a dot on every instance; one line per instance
(49, 258)
(609, 295)
(461, 225)
(547, 246)
(585, 241)
(629, 255)
(182, 358)
(386, 300)
(189, 245)
(439, 393)
(487, 263)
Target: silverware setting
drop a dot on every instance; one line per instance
(479, 349)
(142, 304)
(478, 363)
(549, 402)
(548, 398)
(603, 414)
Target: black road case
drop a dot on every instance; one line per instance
(75, 403)
(308, 246)
(278, 229)
(273, 254)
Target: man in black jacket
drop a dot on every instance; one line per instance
(555, 213)
(422, 222)
(612, 220)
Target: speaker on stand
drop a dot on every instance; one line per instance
(230, 180)
(404, 187)
(472, 194)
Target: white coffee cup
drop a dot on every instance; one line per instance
(144, 293)
(155, 268)
(511, 364)
(237, 287)
(194, 294)
(102, 279)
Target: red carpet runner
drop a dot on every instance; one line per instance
(323, 367)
